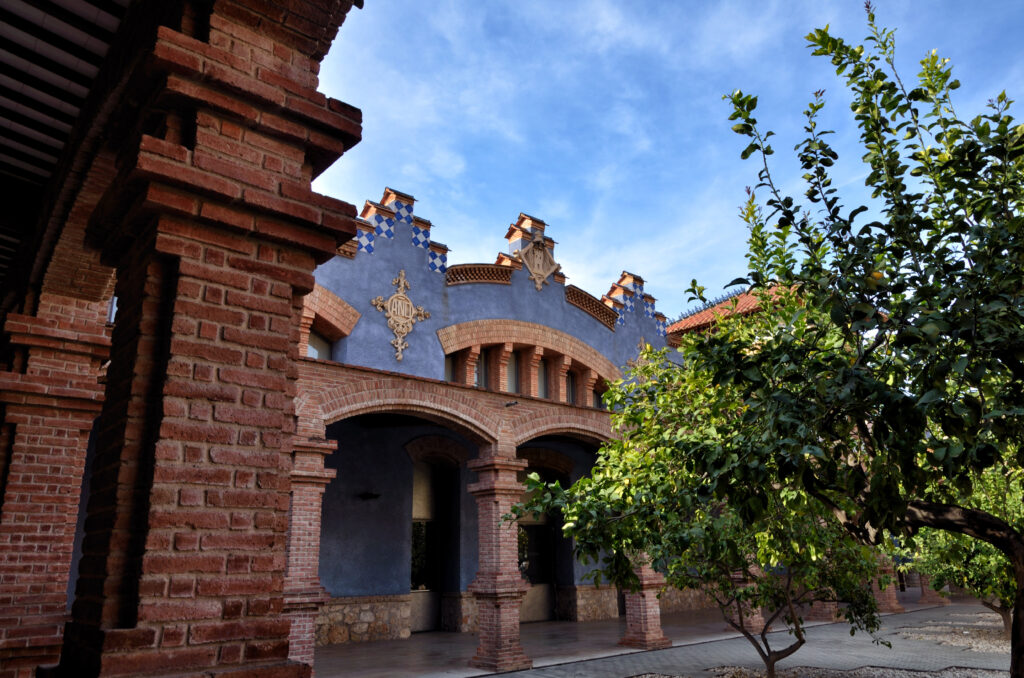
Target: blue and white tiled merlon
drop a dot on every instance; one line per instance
(420, 237)
(437, 261)
(364, 241)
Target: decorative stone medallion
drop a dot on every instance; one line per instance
(401, 313)
(538, 260)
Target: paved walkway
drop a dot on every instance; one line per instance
(701, 642)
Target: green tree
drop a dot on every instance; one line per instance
(885, 368)
(891, 372)
(644, 501)
(973, 565)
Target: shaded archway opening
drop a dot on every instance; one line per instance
(559, 589)
(398, 533)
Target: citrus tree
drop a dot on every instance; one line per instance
(884, 370)
(891, 373)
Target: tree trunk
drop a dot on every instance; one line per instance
(999, 533)
(1017, 628)
(1005, 613)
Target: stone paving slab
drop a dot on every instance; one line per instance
(701, 642)
(828, 646)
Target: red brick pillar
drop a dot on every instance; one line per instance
(589, 383)
(822, 610)
(499, 587)
(49, 398)
(559, 372)
(531, 363)
(498, 368)
(886, 598)
(930, 596)
(467, 367)
(306, 324)
(214, 232)
(303, 593)
(643, 613)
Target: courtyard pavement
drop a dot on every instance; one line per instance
(701, 641)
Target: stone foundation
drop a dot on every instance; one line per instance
(681, 600)
(458, 612)
(586, 603)
(362, 618)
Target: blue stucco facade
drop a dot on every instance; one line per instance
(399, 246)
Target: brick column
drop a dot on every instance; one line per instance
(303, 593)
(822, 610)
(643, 613)
(498, 368)
(531, 363)
(559, 369)
(589, 382)
(305, 325)
(49, 399)
(930, 596)
(886, 598)
(467, 366)
(214, 232)
(499, 587)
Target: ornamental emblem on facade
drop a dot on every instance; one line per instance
(401, 313)
(538, 260)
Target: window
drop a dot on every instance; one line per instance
(542, 378)
(570, 387)
(512, 373)
(319, 347)
(598, 402)
(449, 368)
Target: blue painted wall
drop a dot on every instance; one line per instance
(370, 273)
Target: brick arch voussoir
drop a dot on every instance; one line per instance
(591, 428)
(341, 403)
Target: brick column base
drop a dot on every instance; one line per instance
(498, 626)
(643, 613)
(930, 596)
(821, 610)
(888, 602)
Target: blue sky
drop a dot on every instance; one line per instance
(605, 118)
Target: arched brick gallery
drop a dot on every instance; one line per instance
(399, 466)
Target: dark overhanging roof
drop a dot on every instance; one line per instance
(50, 54)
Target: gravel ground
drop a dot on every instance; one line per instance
(866, 672)
(981, 632)
(978, 632)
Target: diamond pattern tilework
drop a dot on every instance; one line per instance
(384, 226)
(403, 212)
(648, 308)
(436, 262)
(420, 237)
(662, 327)
(622, 318)
(364, 241)
(630, 303)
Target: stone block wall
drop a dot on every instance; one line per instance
(458, 612)
(587, 603)
(362, 618)
(680, 600)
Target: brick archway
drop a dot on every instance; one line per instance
(430, 401)
(590, 425)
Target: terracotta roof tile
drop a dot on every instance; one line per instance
(745, 302)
